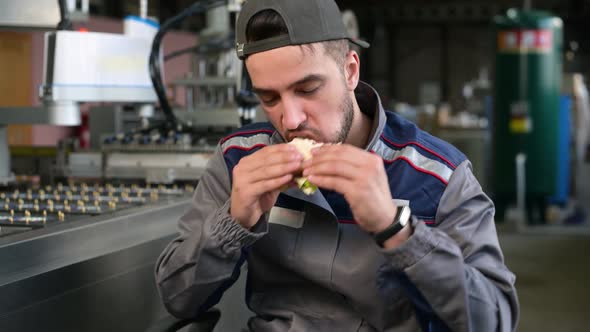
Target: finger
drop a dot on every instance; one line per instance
(290, 184)
(334, 183)
(270, 185)
(341, 153)
(270, 156)
(273, 171)
(336, 169)
(364, 163)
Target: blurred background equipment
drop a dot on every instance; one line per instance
(174, 144)
(80, 67)
(46, 14)
(527, 107)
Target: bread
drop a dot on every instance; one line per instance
(304, 146)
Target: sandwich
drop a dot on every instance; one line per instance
(304, 146)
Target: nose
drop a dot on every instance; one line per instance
(293, 114)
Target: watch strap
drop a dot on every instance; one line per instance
(392, 229)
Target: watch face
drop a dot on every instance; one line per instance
(404, 217)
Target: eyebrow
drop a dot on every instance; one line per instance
(307, 79)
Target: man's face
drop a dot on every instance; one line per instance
(303, 93)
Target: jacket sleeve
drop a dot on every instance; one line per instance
(204, 260)
(454, 273)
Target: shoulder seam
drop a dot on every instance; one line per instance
(421, 146)
(243, 148)
(415, 159)
(249, 132)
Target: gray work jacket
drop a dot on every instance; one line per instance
(311, 268)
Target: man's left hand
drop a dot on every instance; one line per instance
(358, 175)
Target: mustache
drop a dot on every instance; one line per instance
(303, 131)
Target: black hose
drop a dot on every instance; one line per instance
(154, 64)
(64, 23)
(212, 46)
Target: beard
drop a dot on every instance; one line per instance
(347, 110)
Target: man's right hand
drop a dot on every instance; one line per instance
(258, 179)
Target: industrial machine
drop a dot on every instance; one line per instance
(43, 207)
(82, 67)
(174, 145)
(79, 255)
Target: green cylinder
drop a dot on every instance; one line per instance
(526, 103)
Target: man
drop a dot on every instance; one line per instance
(348, 257)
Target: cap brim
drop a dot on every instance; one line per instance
(360, 43)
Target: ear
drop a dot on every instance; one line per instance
(352, 70)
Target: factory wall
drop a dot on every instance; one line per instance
(406, 62)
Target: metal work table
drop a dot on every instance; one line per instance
(87, 275)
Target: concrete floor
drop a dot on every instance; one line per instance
(552, 270)
(553, 275)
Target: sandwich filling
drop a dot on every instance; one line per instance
(304, 146)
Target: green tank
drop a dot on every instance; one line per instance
(526, 103)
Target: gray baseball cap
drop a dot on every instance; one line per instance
(308, 21)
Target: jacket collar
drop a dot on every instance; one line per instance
(370, 104)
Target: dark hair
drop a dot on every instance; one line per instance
(268, 23)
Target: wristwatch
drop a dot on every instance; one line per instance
(401, 219)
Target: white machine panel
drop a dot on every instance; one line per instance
(156, 168)
(27, 14)
(93, 66)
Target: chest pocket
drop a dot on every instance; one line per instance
(284, 229)
(286, 217)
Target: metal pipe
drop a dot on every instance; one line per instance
(521, 188)
(143, 8)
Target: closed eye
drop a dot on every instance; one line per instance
(268, 100)
(307, 91)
